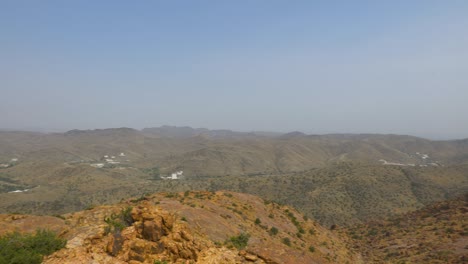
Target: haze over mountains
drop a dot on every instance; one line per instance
(63, 172)
(254, 152)
(349, 140)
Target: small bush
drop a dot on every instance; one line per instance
(286, 241)
(273, 231)
(28, 248)
(117, 222)
(257, 221)
(312, 249)
(240, 241)
(301, 230)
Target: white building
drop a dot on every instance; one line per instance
(175, 175)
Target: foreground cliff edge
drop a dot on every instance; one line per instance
(190, 227)
(229, 227)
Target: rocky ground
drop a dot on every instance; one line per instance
(435, 234)
(190, 227)
(229, 227)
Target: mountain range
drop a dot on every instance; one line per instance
(335, 179)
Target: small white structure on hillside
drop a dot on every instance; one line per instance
(97, 165)
(14, 160)
(19, 191)
(175, 175)
(423, 156)
(122, 154)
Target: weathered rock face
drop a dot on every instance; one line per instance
(197, 227)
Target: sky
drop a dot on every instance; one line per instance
(319, 67)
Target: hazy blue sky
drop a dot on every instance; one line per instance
(314, 66)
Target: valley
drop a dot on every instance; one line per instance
(342, 186)
(335, 179)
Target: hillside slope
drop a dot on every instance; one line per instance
(233, 153)
(435, 234)
(192, 227)
(336, 179)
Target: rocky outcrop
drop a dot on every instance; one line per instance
(197, 227)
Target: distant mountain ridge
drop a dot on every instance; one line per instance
(221, 152)
(67, 171)
(187, 132)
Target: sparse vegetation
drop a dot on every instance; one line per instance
(286, 241)
(240, 241)
(16, 248)
(273, 231)
(117, 222)
(153, 172)
(227, 195)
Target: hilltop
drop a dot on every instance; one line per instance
(193, 227)
(229, 227)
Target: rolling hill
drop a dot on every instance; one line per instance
(336, 179)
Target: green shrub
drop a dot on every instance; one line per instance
(286, 241)
(312, 231)
(257, 221)
(312, 249)
(117, 222)
(28, 248)
(273, 231)
(240, 241)
(301, 230)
